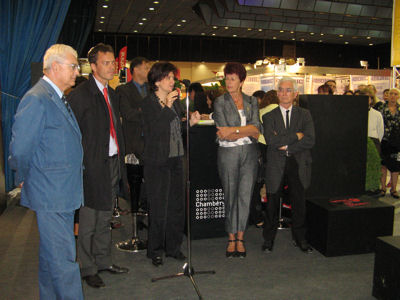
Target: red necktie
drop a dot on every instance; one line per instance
(112, 128)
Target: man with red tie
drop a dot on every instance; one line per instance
(96, 107)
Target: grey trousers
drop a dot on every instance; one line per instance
(237, 168)
(94, 238)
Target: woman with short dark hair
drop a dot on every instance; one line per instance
(237, 119)
(163, 163)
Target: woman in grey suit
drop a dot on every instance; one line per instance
(237, 119)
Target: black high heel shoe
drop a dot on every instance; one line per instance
(239, 253)
(230, 253)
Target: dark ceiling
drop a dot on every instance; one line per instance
(353, 22)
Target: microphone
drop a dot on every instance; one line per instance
(185, 82)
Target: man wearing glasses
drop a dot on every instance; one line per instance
(289, 133)
(96, 107)
(47, 154)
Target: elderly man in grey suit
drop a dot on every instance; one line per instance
(289, 132)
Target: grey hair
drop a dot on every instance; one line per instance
(395, 89)
(57, 52)
(289, 79)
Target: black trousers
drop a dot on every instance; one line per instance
(165, 191)
(135, 180)
(297, 201)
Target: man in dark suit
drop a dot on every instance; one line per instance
(96, 107)
(289, 133)
(46, 152)
(131, 97)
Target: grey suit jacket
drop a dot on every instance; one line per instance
(226, 113)
(277, 136)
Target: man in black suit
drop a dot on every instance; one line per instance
(131, 97)
(289, 133)
(96, 107)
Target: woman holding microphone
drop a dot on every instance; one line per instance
(163, 164)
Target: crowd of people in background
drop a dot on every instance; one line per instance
(87, 149)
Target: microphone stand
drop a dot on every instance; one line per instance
(187, 267)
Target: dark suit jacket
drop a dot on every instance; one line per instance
(130, 108)
(276, 135)
(91, 111)
(157, 129)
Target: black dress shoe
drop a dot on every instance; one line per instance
(114, 269)
(267, 246)
(303, 246)
(157, 261)
(94, 281)
(178, 256)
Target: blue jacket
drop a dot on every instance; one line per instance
(46, 151)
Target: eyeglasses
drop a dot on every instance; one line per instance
(108, 62)
(288, 90)
(73, 66)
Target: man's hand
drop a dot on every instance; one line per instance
(300, 135)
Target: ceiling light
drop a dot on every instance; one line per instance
(226, 27)
(213, 34)
(144, 19)
(292, 32)
(274, 38)
(340, 35)
(135, 31)
(203, 33)
(102, 17)
(234, 35)
(140, 24)
(215, 27)
(346, 43)
(100, 30)
(371, 44)
(312, 33)
(101, 22)
(249, 29)
(302, 40)
(281, 31)
(368, 37)
(156, 2)
(293, 39)
(169, 32)
(322, 34)
(260, 29)
(179, 25)
(105, 6)
(183, 21)
(320, 41)
(151, 8)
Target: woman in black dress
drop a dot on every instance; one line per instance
(163, 163)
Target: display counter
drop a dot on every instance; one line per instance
(207, 208)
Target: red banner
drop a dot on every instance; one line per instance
(122, 57)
